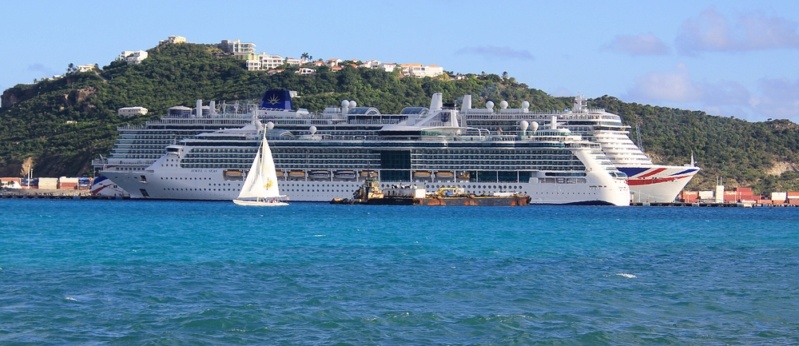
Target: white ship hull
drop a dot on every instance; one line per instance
(657, 183)
(209, 184)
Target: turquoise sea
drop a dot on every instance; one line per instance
(213, 273)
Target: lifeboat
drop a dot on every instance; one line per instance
(422, 174)
(464, 176)
(445, 175)
(345, 174)
(319, 174)
(297, 174)
(233, 174)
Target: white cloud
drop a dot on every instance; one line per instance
(497, 52)
(773, 98)
(673, 86)
(778, 98)
(712, 32)
(646, 44)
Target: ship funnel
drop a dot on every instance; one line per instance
(436, 103)
(578, 104)
(198, 110)
(467, 103)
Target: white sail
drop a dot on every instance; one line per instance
(260, 186)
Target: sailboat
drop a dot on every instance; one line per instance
(260, 187)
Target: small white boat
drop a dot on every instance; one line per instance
(260, 187)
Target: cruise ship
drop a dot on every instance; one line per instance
(328, 155)
(648, 182)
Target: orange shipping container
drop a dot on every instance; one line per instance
(67, 186)
(10, 179)
(685, 195)
(748, 197)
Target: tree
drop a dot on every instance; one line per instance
(27, 166)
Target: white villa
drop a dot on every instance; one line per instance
(173, 40)
(419, 70)
(85, 68)
(133, 57)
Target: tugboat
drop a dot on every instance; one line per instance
(370, 193)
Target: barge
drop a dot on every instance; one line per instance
(370, 193)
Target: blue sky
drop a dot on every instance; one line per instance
(727, 58)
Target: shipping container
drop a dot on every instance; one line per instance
(84, 183)
(11, 179)
(689, 199)
(705, 194)
(778, 196)
(688, 195)
(65, 183)
(48, 183)
(748, 197)
(11, 182)
(744, 190)
(792, 194)
(67, 186)
(67, 180)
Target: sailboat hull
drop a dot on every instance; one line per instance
(259, 203)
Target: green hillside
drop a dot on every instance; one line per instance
(63, 124)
